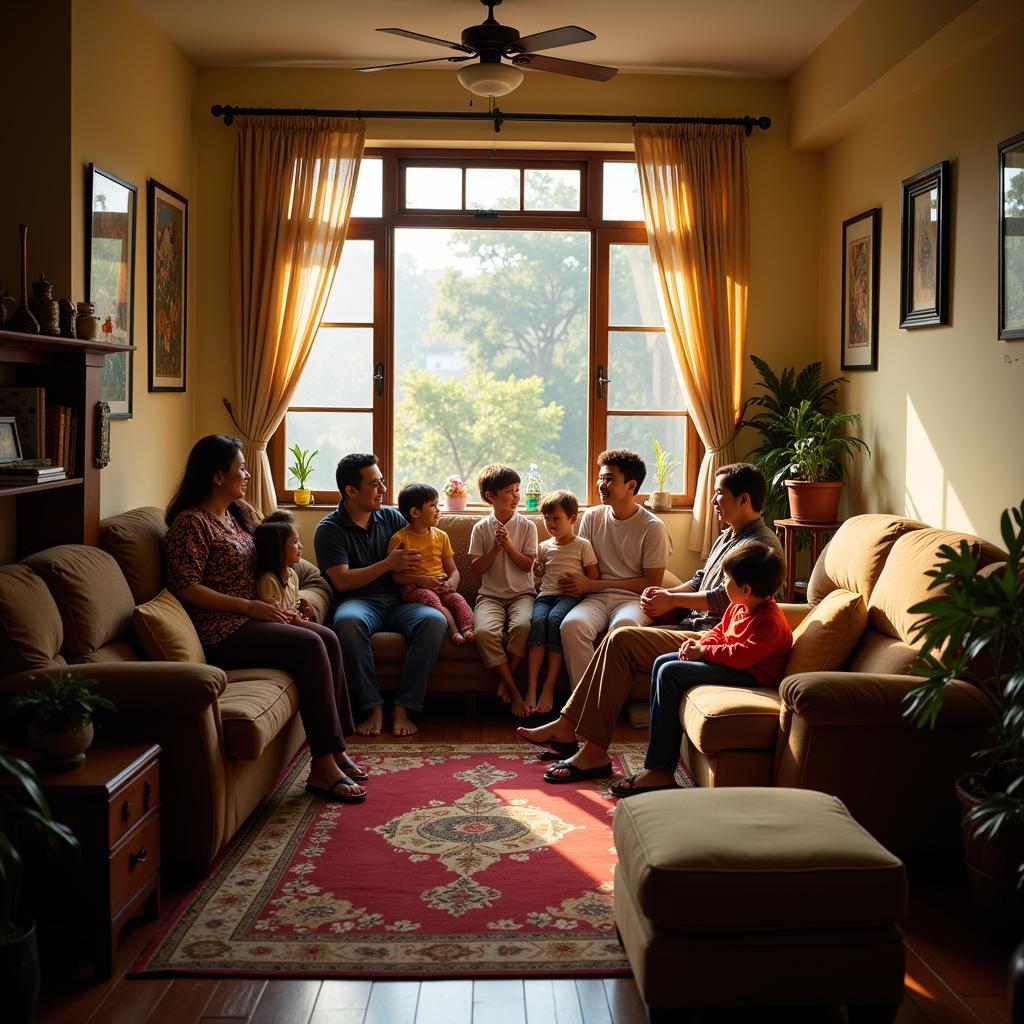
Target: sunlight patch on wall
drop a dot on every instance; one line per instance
(930, 497)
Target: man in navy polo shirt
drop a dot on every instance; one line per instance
(351, 547)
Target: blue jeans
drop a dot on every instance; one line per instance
(424, 629)
(546, 621)
(670, 679)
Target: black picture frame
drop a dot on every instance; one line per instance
(110, 215)
(167, 263)
(10, 443)
(858, 345)
(924, 248)
(1011, 239)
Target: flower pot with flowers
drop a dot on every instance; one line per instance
(456, 494)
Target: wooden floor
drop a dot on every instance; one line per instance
(954, 971)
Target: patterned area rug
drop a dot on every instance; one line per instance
(462, 862)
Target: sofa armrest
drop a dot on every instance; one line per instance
(795, 613)
(315, 589)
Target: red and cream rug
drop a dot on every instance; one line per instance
(462, 862)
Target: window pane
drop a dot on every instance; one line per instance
(351, 298)
(551, 190)
(340, 369)
(368, 200)
(492, 188)
(332, 434)
(636, 432)
(433, 188)
(632, 298)
(642, 372)
(491, 353)
(622, 192)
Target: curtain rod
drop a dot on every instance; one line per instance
(497, 116)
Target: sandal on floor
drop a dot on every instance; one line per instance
(353, 771)
(331, 794)
(558, 748)
(602, 771)
(628, 787)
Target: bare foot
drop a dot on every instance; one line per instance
(349, 767)
(560, 729)
(543, 706)
(323, 780)
(372, 723)
(401, 723)
(457, 638)
(468, 636)
(519, 708)
(530, 700)
(503, 693)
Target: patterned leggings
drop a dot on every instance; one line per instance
(454, 602)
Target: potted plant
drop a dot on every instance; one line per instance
(974, 631)
(456, 494)
(661, 499)
(23, 811)
(302, 469)
(61, 727)
(813, 462)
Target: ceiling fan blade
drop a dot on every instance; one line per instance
(406, 63)
(555, 37)
(428, 39)
(537, 61)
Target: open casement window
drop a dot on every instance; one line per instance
(490, 308)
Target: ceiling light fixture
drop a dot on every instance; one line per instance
(490, 79)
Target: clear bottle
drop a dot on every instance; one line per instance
(533, 489)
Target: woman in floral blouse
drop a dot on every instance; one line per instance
(211, 569)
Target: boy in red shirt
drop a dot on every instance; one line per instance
(749, 647)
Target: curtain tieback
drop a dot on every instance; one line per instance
(721, 448)
(260, 446)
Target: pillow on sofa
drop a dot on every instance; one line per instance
(827, 636)
(165, 630)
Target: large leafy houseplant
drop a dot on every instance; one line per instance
(817, 448)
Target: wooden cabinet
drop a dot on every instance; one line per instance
(65, 511)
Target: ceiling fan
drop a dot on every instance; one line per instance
(491, 41)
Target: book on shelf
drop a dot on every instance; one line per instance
(31, 476)
(28, 407)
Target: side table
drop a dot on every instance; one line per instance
(112, 804)
(787, 530)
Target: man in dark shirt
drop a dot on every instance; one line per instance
(351, 547)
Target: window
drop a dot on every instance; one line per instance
(485, 310)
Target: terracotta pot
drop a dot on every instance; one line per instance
(302, 495)
(454, 503)
(64, 746)
(814, 502)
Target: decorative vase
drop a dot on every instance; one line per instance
(814, 502)
(65, 747)
(455, 502)
(19, 972)
(44, 307)
(22, 318)
(87, 326)
(66, 313)
(661, 501)
(303, 496)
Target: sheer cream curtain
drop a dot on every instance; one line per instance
(693, 179)
(294, 182)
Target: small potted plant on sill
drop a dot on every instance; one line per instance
(23, 813)
(812, 464)
(302, 469)
(61, 729)
(661, 499)
(456, 494)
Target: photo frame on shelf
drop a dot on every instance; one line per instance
(859, 331)
(10, 444)
(110, 278)
(1011, 238)
(924, 249)
(167, 259)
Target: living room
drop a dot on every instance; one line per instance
(884, 92)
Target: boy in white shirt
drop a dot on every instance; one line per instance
(502, 548)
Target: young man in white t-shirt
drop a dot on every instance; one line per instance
(502, 548)
(632, 548)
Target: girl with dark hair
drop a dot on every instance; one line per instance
(211, 569)
(278, 550)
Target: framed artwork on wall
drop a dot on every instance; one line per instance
(167, 259)
(859, 333)
(110, 277)
(1011, 238)
(924, 252)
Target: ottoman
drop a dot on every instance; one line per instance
(754, 896)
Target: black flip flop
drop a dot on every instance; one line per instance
(353, 771)
(331, 794)
(602, 771)
(553, 749)
(628, 787)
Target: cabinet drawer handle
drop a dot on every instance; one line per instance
(125, 811)
(137, 858)
(147, 792)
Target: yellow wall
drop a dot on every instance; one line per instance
(942, 414)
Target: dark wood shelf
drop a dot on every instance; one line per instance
(44, 343)
(9, 489)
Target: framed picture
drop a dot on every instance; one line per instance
(168, 282)
(859, 344)
(924, 253)
(110, 277)
(10, 446)
(1011, 238)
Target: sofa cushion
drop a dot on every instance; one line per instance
(824, 640)
(754, 858)
(90, 590)
(254, 707)
(731, 717)
(136, 541)
(165, 631)
(31, 632)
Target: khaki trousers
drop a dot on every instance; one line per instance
(623, 654)
(492, 616)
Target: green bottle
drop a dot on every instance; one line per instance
(533, 489)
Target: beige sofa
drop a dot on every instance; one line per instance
(225, 736)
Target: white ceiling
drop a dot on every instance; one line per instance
(749, 38)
